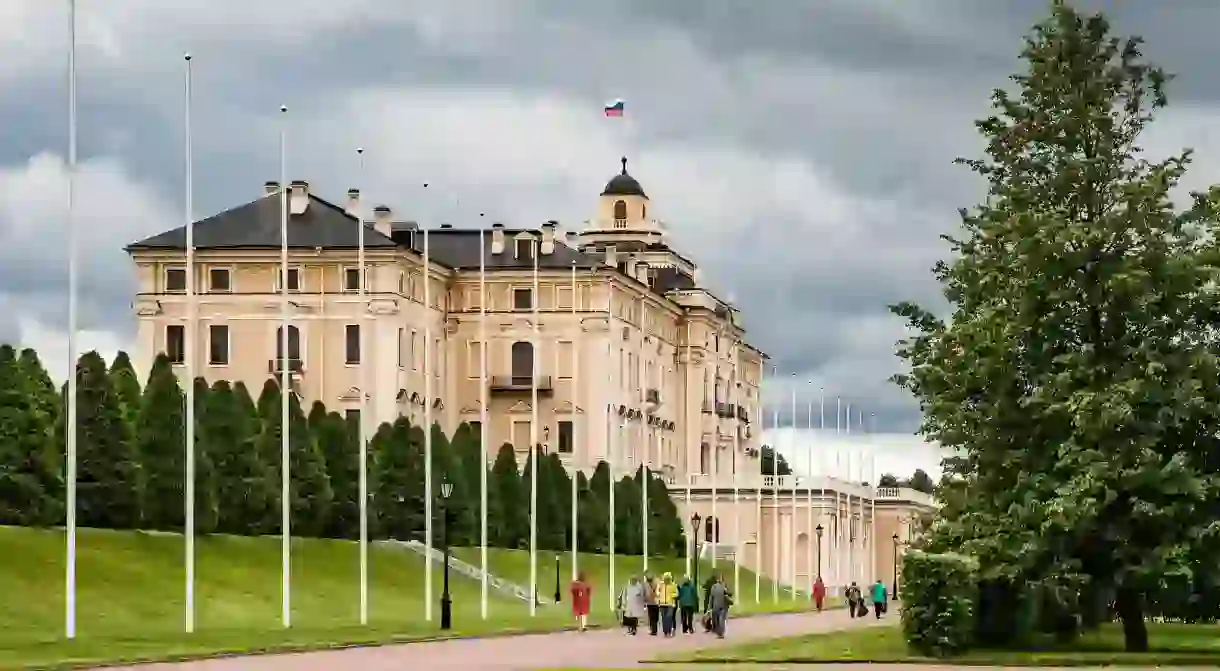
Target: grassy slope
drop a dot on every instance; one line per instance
(1172, 645)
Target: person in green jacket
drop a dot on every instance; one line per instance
(879, 599)
(688, 603)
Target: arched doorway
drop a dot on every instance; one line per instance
(294, 343)
(522, 356)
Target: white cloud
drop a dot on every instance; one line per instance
(52, 346)
(855, 456)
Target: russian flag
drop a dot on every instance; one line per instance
(615, 109)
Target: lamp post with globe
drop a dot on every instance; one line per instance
(446, 602)
(895, 538)
(819, 531)
(694, 527)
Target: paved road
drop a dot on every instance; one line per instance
(606, 649)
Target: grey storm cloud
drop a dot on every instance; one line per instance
(801, 152)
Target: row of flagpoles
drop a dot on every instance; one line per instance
(285, 372)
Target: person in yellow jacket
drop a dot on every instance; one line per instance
(667, 601)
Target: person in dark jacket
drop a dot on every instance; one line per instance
(688, 603)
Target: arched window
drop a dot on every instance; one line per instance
(643, 211)
(522, 362)
(294, 342)
(620, 209)
(711, 530)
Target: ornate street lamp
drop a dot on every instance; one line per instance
(446, 603)
(558, 596)
(694, 527)
(819, 529)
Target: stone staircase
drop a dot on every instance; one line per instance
(467, 569)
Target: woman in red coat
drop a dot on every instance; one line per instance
(582, 594)
(819, 593)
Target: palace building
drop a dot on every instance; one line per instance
(630, 359)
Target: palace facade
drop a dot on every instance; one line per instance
(630, 360)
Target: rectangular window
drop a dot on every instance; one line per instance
(351, 279)
(521, 436)
(474, 359)
(438, 359)
(218, 345)
(352, 415)
(351, 346)
(567, 359)
(476, 427)
(523, 299)
(402, 334)
(219, 280)
(563, 298)
(474, 299)
(566, 437)
(523, 248)
(414, 350)
(175, 280)
(294, 279)
(175, 343)
(402, 282)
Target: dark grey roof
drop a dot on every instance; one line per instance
(623, 184)
(459, 248)
(257, 225)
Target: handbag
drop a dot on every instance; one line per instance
(861, 609)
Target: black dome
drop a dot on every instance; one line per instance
(623, 184)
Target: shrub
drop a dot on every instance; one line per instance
(939, 592)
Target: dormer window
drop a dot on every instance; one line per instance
(523, 248)
(620, 214)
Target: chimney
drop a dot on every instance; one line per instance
(381, 220)
(696, 277)
(271, 188)
(298, 197)
(548, 238)
(497, 238)
(641, 272)
(611, 256)
(353, 202)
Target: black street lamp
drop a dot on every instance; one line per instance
(558, 596)
(446, 602)
(694, 527)
(819, 529)
(895, 537)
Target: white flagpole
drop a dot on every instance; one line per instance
(792, 496)
(809, 542)
(775, 493)
(534, 452)
(852, 481)
(483, 426)
(611, 431)
(362, 428)
(714, 521)
(189, 346)
(576, 435)
(70, 429)
(822, 466)
(733, 384)
(690, 542)
(428, 354)
(285, 458)
(645, 438)
(872, 513)
(838, 510)
(758, 533)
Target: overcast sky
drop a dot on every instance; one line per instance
(800, 151)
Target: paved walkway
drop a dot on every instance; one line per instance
(595, 649)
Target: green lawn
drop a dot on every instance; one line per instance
(131, 595)
(1172, 645)
(514, 565)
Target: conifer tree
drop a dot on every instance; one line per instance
(127, 386)
(44, 406)
(161, 440)
(109, 486)
(398, 482)
(463, 503)
(592, 518)
(341, 449)
(512, 519)
(25, 447)
(309, 486)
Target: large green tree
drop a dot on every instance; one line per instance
(398, 481)
(462, 506)
(27, 464)
(511, 528)
(45, 403)
(1077, 372)
(592, 518)
(127, 386)
(340, 447)
(247, 491)
(309, 486)
(109, 478)
(161, 442)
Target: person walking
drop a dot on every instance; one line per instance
(634, 606)
(667, 602)
(853, 600)
(650, 601)
(879, 599)
(819, 593)
(688, 602)
(582, 594)
(719, 600)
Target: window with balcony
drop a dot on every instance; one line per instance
(294, 343)
(175, 343)
(351, 344)
(522, 362)
(620, 214)
(218, 345)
